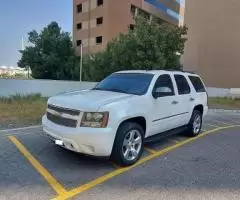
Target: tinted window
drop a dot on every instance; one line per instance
(164, 85)
(197, 84)
(182, 84)
(130, 83)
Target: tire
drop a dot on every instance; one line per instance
(124, 144)
(195, 124)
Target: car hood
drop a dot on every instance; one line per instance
(87, 100)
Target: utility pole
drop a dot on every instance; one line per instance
(81, 62)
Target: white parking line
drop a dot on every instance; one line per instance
(19, 129)
(212, 125)
(223, 122)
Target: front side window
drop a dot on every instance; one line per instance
(182, 84)
(163, 86)
(129, 83)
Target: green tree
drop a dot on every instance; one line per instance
(149, 46)
(50, 54)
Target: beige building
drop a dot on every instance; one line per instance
(213, 47)
(96, 22)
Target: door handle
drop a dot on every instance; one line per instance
(174, 102)
(192, 99)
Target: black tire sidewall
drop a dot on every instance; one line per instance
(117, 154)
(190, 125)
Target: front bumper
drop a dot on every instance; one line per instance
(91, 141)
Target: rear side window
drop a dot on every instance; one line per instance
(182, 84)
(197, 83)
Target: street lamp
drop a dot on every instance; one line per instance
(81, 61)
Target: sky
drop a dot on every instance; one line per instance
(18, 17)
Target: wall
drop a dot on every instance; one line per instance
(213, 45)
(47, 88)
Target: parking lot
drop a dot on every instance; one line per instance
(178, 167)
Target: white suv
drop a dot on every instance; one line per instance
(124, 110)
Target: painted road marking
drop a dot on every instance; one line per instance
(91, 184)
(150, 150)
(223, 122)
(213, 125)
(19, 129)
(15, 134)
(47, 176)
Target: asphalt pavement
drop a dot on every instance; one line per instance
(178, 167)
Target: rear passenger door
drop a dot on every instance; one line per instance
(184, 99)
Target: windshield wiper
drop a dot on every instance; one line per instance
(111, 89)
(116, 90)
(98, 89)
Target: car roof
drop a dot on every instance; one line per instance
(157, 72)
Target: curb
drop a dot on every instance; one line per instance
(223, 110)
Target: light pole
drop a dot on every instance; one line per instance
(81, 62)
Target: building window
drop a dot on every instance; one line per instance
(131, 27)
(79, 42)
(79, 8)
(99, 20)
(99, 2)
(79, 26)
(99, 40)
(133, 10)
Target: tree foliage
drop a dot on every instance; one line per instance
(149, 46)
(50, 54)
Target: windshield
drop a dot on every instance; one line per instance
(130, 83)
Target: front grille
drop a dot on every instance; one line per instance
(64, 110)
(61, 121)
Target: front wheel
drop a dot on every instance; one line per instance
(195, 124)
(128, 145)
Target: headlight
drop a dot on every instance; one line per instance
(95, 119)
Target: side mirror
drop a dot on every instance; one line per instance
(161, 92)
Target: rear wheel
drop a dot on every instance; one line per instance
(128, 144)
(195, 124)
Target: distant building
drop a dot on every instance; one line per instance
(213, 46)
(12, 71)
(96, 22)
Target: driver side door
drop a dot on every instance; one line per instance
(165, 105)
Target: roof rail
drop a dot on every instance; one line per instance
(179, 70)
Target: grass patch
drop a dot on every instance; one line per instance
(20, 110)
(224, 103)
